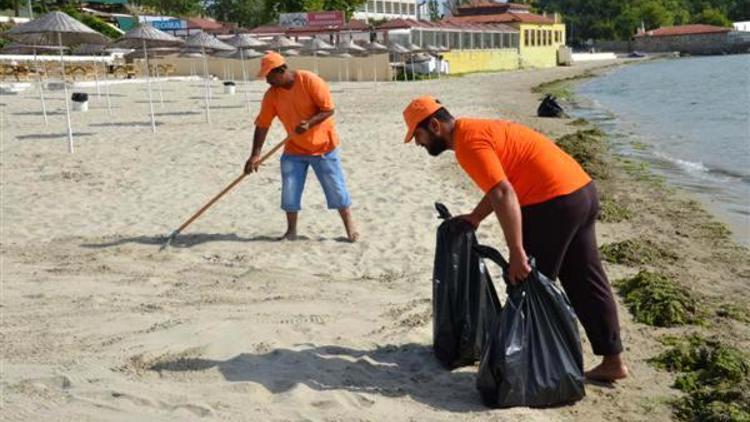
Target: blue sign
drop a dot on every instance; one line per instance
(169, 25)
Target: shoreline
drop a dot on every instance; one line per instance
(661, 166)
(726, 315)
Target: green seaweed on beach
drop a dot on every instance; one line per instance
(715, 376)
(588, 148)
(612, 212)
(579, 122)
(636, 252)
(656, 299)
(733, 311)
(560, 88)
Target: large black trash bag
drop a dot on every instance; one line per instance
(464, 303)
(533, 354)
(549, 107)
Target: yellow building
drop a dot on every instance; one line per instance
(540, 36)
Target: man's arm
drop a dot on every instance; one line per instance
(508, 211)
(319, 117)
(259, 138)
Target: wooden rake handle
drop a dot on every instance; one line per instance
(226, 189)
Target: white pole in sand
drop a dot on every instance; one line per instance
(41, 90)
(65, 91)
(148, 85)
(244, 78)
(208, 89)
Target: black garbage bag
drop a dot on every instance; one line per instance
(464, 302)
(532, 356)
(549, 107)
(79, 97)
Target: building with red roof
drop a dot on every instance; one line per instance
(694, 39)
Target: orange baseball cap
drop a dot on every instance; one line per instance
(419, 109)
(270, 62)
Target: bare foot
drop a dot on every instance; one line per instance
(611, 369)
(291, 236)
(353, 237)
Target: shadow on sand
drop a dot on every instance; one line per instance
(42, 136)
(181, 241)
(390, 371)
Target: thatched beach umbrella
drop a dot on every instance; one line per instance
(291, 53)
(316, 46)
(351, 48)
(143, 37)
(206, 42)
(281, 42)
(399, 50)
(245, 44)
(18, 48)
(57, 28)
(374, 48)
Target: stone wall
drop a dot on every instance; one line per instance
(689, 44)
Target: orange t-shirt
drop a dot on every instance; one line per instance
(491, 151)
(308, 96)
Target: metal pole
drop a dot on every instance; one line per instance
(31, 11)
(244, 78)
(41, 90)
(148, 87)
(158, 85)
(106, 89)
(65, 91)
(208, 88)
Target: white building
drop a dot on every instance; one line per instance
(381, 9)
(742, 26)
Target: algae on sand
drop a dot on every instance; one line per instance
(636, 252)
(588, 148)
(655, 299)
(715, 376)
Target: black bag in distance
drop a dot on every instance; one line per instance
(533, 355)
(464, 303)
(549, 107)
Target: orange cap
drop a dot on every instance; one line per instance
(270, 62)
(419, 109)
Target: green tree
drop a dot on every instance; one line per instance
(245, 13)
(434, 8)
(711, 16)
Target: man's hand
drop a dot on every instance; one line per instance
(519, 267)
(471, 219)
(303, 127)
(252, 164)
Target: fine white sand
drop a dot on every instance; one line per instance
(229, 324)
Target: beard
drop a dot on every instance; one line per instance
(437, 144)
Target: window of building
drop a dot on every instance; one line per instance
(476, 40)
(549, 37)
(532, 41)
(454, 40)
(379, 7)
(526, 38)
(388, 7)
(411, 9)
(466, 40)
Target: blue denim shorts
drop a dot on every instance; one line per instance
(330, 175)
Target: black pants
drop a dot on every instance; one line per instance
(559, 234)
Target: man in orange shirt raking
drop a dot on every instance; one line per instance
(303, 103)
(547, 207)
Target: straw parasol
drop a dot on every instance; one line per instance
(245, 44)
(143, 37)
(413, 49)
(204, 41)
(18, 48)
(374, 48)
(281, 42)
(399, 50)
(351, 48)
(316, 46)
(291, 53)
(57, 28)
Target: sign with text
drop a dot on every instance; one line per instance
(315, 19)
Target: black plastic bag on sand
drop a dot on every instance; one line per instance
(533, 354)
(549, 107)
(464, 303)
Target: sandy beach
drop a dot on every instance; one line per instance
(228, 324)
